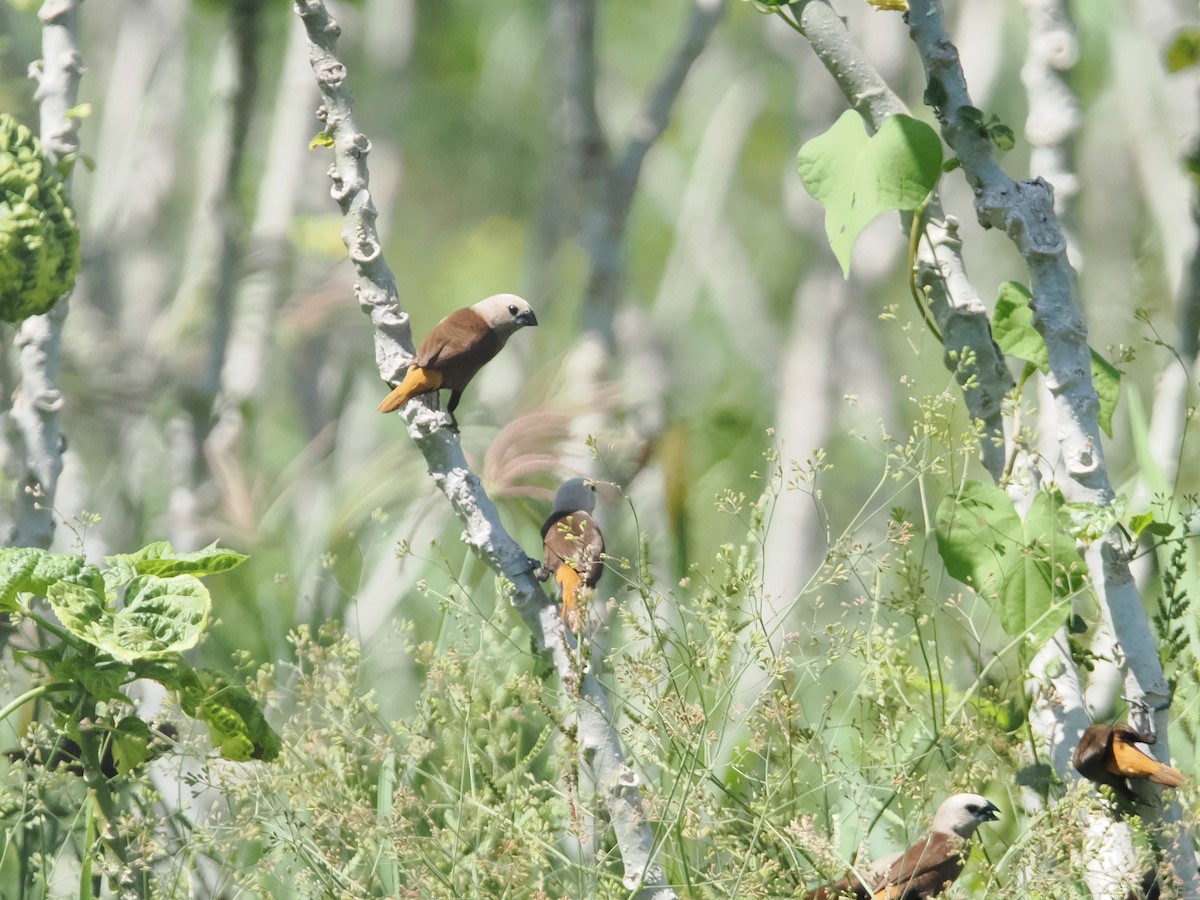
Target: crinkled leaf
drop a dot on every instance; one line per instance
(161, 616)
(16, 569)
(123, 567)
(82, 610)
(856, 177)
(39, 240)
(234, 719)
(32, 570)
(977, 530)
(209, 561)
(161, 559)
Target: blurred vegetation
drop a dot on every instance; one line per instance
(426, 751)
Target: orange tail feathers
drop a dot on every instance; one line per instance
(568, 579)
(1131, 762)
(417, 381)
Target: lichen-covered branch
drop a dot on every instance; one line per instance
(1058, 712)
(483, 531)
(38, 402)
(1024, 210)
(958, 310)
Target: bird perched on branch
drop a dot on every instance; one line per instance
(572, 545)
(1108, 754)
(928, 866)
(458, 347)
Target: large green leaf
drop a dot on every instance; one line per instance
(856, 177)
(160, 616)
(1012, 327)
(977, 530)
(1046, 570)
(1023, 567)
(32, 570)
(161, 559)
(82, 609)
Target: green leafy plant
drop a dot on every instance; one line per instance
(1170, 612)
(129, 620)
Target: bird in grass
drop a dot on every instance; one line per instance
(926, 868)
(1108, 754)
(572, 545)
(458, 347)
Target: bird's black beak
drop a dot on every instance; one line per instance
(526, 318)
(990, 813)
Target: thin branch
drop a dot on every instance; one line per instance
(246, 27)
(1025, 211)
(609, 188)
(484, 533)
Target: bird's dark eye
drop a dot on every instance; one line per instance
(512, 309)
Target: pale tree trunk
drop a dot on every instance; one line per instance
(1024, 211)
(597, 736)
(35, 426)
(259, 280)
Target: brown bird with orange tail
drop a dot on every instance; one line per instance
(573, 546)
(458, 347)
(926, 868)
(1108, 754)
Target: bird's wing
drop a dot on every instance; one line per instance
(462, 339)
(1128, 760)
(924, 869)
(574, 538)
(842, 889)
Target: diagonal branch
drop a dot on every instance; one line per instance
(1025, 211)
(609, 184)
(483, 531)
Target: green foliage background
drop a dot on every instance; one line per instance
(426, 750)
